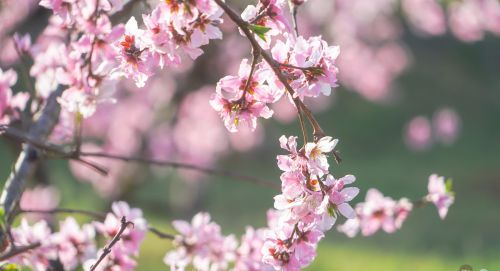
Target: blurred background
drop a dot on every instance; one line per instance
(413, 100)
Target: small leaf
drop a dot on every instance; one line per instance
(260, 30)
(449, 186)
(10, 267)
(331, 210)
(2, 214)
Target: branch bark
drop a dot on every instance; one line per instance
(29, 157)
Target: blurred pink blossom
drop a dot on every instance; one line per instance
(39, 198)
(447, 124)
(418, 134)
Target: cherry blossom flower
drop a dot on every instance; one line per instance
(39, 258)
(317, 154)
(418, 134)
(75, 245)
(309, 65)
(39, 198)
(446, 124)
(135, 60)
(201, 244)
(440, 194)
(375, 213)
(425, 15)
(267, 14)
(22, 43)
(238, 102)
(10, 105)
(249, 254)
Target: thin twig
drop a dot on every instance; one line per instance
(302, 125)
(295, 8)
(17, 250)
(223, 173)
(160, 234)
(255, 58)
(97, 215)
(61, 152)
(49, 148)
(107, 249)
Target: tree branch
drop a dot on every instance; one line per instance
(29, 157)
(14, 251)
(108, 247)
(223, 173)
(97, 215)
(61, 152)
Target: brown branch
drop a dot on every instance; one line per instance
(160, 234)
(61, 152)
(275, 66)
(48, 148)
(295, 8)
(223, 173)
(29, 157)
(107, 249)
(97, 215)
(14, 251)
(255, 58)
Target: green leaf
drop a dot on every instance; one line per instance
(331, 210)
(449, 186)
(259, 30)
(2, 214)
(10, 267)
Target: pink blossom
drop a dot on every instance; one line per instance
(317, 154)
(466, 20)
(201, 244)
(10, 106)
(239, 103)
(22, 43)
(418, 133)
(249, 254)
(75, 245)
(268, 14)
(308, 64)
(446, 123)
(375, 213)
(135, 60)
(39, 198)
(158, 38)
(425, 15)
(440, 194)
(39, 258)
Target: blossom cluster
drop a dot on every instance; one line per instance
(99, 53)
(74, 245)
(379, 212)
(310, 202)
